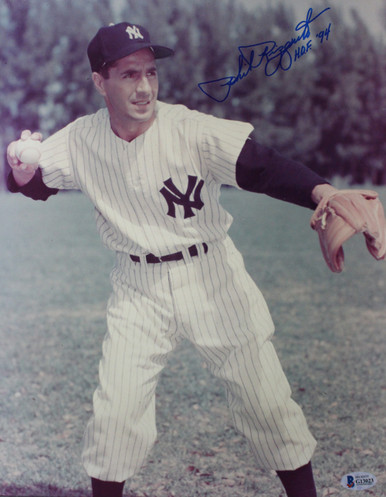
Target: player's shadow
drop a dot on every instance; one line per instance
(41, 490)
(45, 490)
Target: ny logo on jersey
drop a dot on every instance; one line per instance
(134, 32)
(173, 196)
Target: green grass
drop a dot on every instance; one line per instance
(329, 335)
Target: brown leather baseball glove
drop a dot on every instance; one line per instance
(344, 213)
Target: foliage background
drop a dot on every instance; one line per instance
(329, 110)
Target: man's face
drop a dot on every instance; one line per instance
(131, 90)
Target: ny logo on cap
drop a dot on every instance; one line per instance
(134, 32)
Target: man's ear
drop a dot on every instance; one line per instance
(98, 80)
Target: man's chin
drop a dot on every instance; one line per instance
(143, 112)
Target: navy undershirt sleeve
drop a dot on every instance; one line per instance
(261, 169)
(35, 189)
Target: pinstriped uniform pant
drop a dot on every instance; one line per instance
(213, 302)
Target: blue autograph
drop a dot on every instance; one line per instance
(251, 57)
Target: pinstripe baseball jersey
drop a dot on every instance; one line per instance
(159, 192)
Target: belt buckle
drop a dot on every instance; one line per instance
(153, 259)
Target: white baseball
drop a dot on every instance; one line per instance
(28, 151)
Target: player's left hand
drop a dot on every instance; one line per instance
(340, 214)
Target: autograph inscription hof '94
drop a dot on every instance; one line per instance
(268, 55)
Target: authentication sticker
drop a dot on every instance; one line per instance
(358, 481)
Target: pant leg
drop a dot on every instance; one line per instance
(122, 430)
(227, 318)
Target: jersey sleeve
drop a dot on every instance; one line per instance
(222, 142)
(55, 162)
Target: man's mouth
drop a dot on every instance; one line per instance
(142, 102)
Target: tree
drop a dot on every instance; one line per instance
(46, 79)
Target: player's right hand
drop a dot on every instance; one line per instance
(22, 172)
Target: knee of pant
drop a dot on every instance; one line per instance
(118, 404)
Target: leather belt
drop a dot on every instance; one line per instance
(177, 256)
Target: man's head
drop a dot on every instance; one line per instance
(122, 59)
(131, 90)
(116, 41)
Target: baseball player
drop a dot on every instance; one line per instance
(153, 172)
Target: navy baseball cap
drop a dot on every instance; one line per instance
(119, 40)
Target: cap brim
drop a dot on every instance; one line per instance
(159, 51)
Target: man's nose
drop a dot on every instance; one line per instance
(144, 85)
